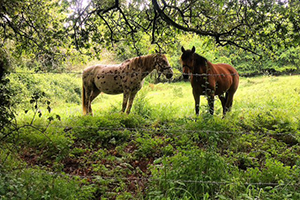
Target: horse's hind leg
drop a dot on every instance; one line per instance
(86, 100)
(125, 100)
(90, 95)
(223, 101)
(229, 100)
(211, 102)
(93, 95)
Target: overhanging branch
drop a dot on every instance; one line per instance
(103, 11)
(216, 35)
(171, 22)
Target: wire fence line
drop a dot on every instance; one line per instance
(135, 73)
(295, 135)
(174, 130)
(166, 179)
(152, 179)
(123, 74)
(25, 100)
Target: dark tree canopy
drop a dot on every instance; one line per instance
(52, 29)
(247, 24)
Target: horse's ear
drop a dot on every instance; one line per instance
(182, 49)
(193, 49)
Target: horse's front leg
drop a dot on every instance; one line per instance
(130, 102)
(125, 100)
(197, 101)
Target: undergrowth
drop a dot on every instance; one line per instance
(159, 151)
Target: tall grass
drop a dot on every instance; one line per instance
(161, 150)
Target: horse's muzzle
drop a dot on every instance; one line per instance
(169, 75)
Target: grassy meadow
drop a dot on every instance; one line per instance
(159, 151)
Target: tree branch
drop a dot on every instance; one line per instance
(19, 32)
(154, 27)
(108, 26)
(103, 11)
(216, 35)
(169, 21)
(229, 42)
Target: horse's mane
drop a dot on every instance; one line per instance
(200, 61)
(141, 61)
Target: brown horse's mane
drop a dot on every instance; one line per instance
(199, 61)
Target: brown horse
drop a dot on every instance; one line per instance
(209, 79)
(126, 78)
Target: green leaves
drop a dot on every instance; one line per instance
(52, 32)
(36, 100)
(36, 27)
(56, 117)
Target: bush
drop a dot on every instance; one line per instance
(63, 88)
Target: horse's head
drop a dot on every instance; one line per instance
(162, 65)
(187, 62)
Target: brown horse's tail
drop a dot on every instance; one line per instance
(83, 99)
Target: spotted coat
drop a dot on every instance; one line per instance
(126, 78)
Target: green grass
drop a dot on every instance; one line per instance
(262, 93)
(161, 150)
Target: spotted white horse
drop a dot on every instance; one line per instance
(126, 78)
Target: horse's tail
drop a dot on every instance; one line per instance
(83, 99)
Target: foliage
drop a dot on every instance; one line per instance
(55, 35)
(282, 61)
(193, 173)
(36, 29)
(161, 150)
(18, 182)
(26, 82)
(39, 184)
(6, 107)
(245, 25)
